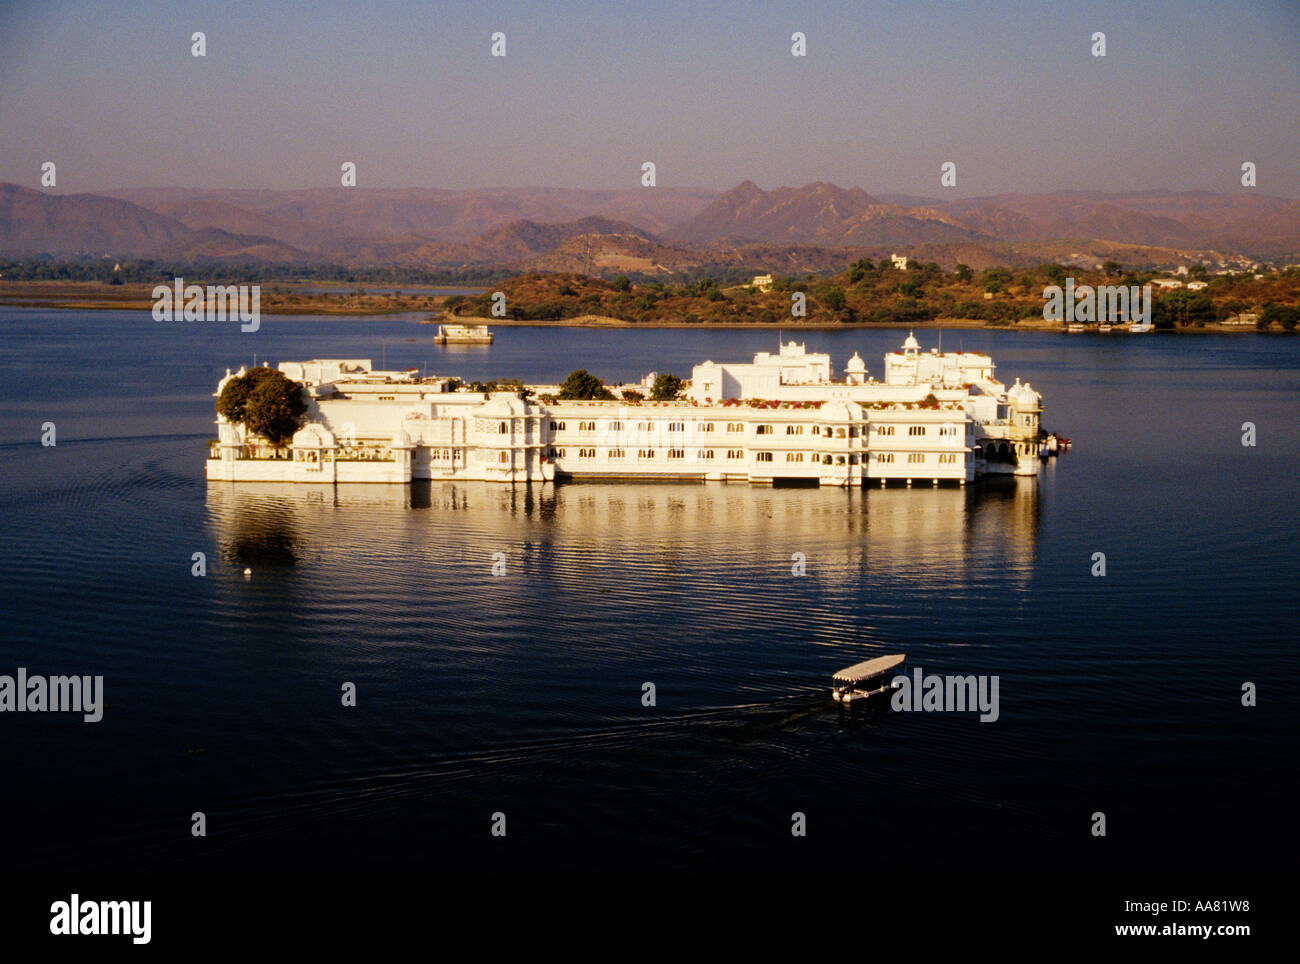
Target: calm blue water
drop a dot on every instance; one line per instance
(522, 693)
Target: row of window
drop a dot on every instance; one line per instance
(915, 458)
(945, 431)
(733, 428)
(702, 455)
(737, 428)
(645, 455)
(707, 455)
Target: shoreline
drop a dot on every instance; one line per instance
(92, 296)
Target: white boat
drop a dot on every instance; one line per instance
(463, 335)
(1075, 328)
(1140, 327)
(865, 679)
(1104, 327)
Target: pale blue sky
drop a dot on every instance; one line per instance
(708, 91)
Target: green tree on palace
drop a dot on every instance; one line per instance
(234, 397)
(265, 402)
(666, 388)
(581, 385)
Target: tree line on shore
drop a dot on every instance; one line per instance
(866, 292)
(870, 293)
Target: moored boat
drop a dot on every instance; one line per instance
(463, 335)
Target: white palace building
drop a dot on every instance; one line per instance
(785, 418)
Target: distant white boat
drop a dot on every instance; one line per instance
(463, 335)
(1104, 328)
(1075, 328)
(861, 680)
(1140, 327)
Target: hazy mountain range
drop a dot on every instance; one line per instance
(661, 230)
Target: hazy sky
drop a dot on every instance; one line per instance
(709, 91)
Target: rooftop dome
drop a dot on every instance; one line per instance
(911, 344)
(856, 364)
(401, 440)
(504, 404)
(842, 411)
(314, 436)
(1022, 395)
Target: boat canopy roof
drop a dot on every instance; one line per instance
(869, 668)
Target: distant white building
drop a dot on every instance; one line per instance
(899, 261)
(1166, 282)
(1196, 285)
(762, 282)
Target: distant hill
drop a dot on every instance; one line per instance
(815, 228)
(518, 241)
(437, 215)
(818, 214)
(215, 244)
(1257, 224)
(33, 223)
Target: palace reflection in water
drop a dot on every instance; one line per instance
(575, 534)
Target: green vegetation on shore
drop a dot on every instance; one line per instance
(864, 294)
(880, 294)
(210, 271)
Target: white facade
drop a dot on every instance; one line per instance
(792, 365)
(783, 418)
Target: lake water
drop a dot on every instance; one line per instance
(521, 693)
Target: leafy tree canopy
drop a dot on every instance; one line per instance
(582, 385)
(666, 388)
(234, 397)
(265, 402)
